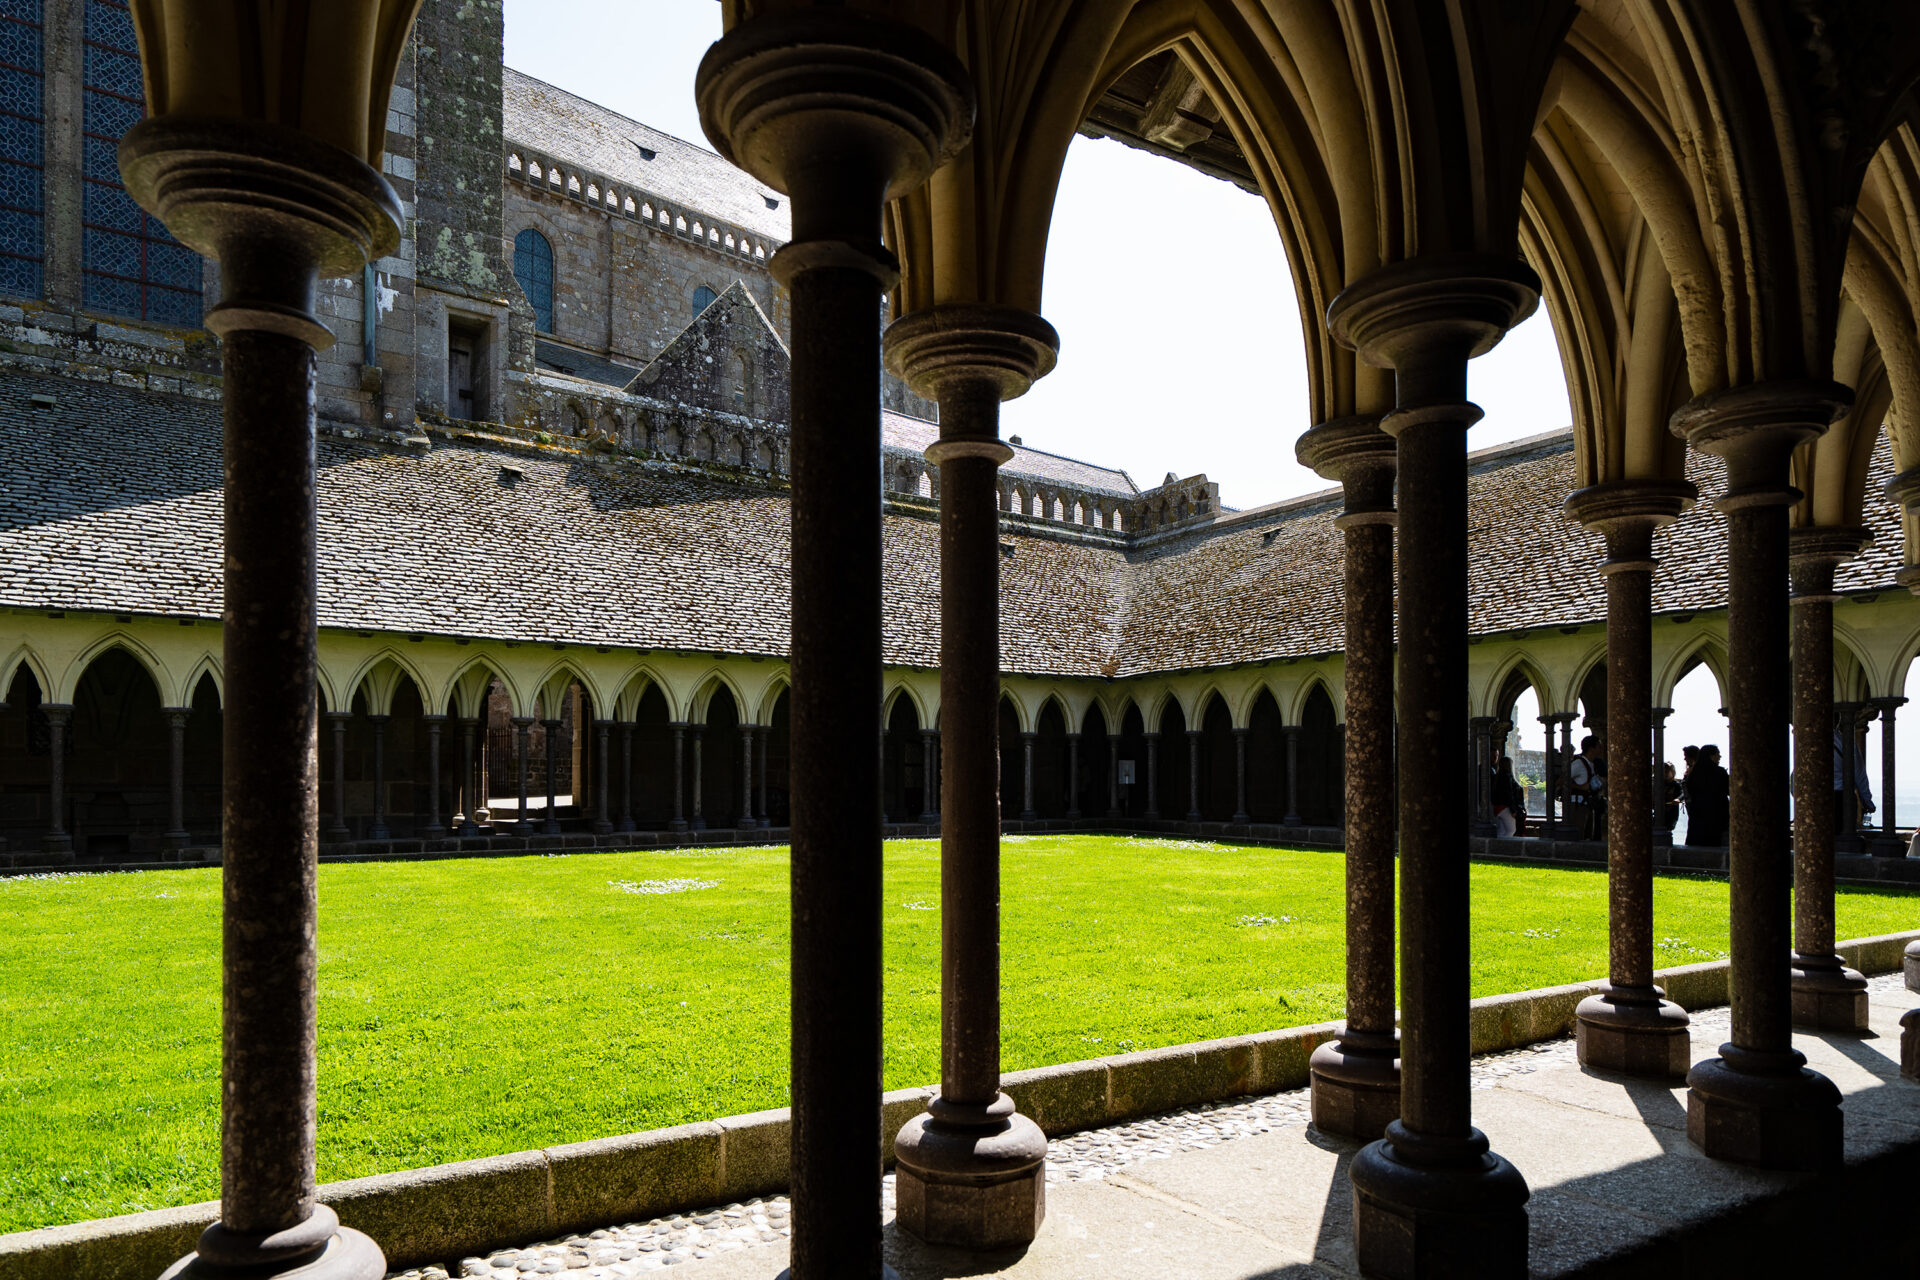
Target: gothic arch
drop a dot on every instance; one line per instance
(1296, 709)
(207, 665)
(1704, 649)
(156, 670)
(776, 686)
(380, 691)
(571, 672)
(472, 701)
(904, 689)
(715, 678)
(35, 665)
(1593, 657)
(633, 687)
(1527, 667)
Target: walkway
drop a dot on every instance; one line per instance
(1245, 1189)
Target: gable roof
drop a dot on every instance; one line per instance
(901, 431)
(727, 322)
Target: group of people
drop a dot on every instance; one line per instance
(1702, 789)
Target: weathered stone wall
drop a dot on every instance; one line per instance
(457, 45)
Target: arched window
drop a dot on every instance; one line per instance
(130, 266)
(22, 159)
(702, 299)
(533, 268)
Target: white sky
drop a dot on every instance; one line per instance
(1180, 343)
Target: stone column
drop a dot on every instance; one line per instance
(602, 731)
(841, 110)
(338, 830)
(1153, 775)
(1629, 1026)
(1550, 761)
(1662, 834)
(1356, 1079)
(277, 208)
(1073, 777)
(1889, 843)
(1193, 774)
(1113, 777)
(1027, 812)
(469, 770)
(522, 748)
(972, 1169)
(434, 724)
(929, 794)
(1431, 1189)
(1846, 822)
(746, 777)
(1826, 994)
(679, 822)
(885, 799)
(177, 836)
(1480, 782)
(550, 825)
(1757, 1103)
(1240, 815)
(626, 778)
(698, 732)
(761, 777)
(377, 828)
(1568, 828)
(1293, 818)
(59, 716)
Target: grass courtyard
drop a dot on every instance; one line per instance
(475, 1007)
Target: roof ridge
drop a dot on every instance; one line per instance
(601, 106)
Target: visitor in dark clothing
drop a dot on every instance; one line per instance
(1707, 800)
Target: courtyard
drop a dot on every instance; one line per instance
(477, 1007)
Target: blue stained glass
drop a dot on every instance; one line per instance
(109, 117)
(114, 254)
(105, 293)
(100, 160)
(113, 208)
(24, 10)
(20, 140)
(173, 263)
(19, 233)
(533, 268)
(20, 277)
(109, 23)
(19, 187)
(171, 306)
(19, 93)
(20, 45)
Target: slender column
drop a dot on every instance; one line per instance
(1847, 816)
(929, 795)
(1193, 774)
(1113, 777)
(1757, 1103)
(679, 822)
(885, 798)
(59, 716)
(746, 776)
(698, 732)
(972, 1169)
(377, 828)
(1826, 994)
(522, 748)
(550, 824)
(1073, 777)
(177, 836)
(1356, 1079)
(337, 830)
(434, 724)
(276, 208)
(1293, 818)
(469, 770)
(761, 777)
(626, 778)
(602, 824)
(1430, 1196)
(1240, 814)
(1662, 834)
(841, 110)
(1153, 775)
(1629, 1026)
(1567, 826)
(1480, 780)
(1889, 826)
(1027, 812)
(1550, 758)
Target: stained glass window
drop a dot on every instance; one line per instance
(533, 268)
(130, 266)
(22, 138)
(702, 299)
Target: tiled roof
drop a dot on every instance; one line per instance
(899, 431)
(582, 364)
(537, 114)
(111, 502)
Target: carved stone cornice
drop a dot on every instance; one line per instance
(1463, 302)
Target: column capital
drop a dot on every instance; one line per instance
(339, 718)
(1465, 302)
(521, 722)
(1887, 705)
(1361, 457)
(1195, 733)
(433, 720)
(1661, 713)
(970, 349)
(176, 716)
(1756, 428)
(551, 722)
(378, 719)
(57, 712)
(1626, 513)
(607, 722)
(1815, 551)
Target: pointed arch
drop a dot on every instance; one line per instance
(1592, 658)
(208, 665)
(571, 672)
(461, 689)
(1196, 711)
(778, 684)
(36, 666)
(156, 670)
(703, 689)
(904, 689)
(1522, 663)
(380, 688)
(1303, 694)
(1703, 648)
(633, 686)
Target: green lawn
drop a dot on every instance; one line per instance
(476, 1007)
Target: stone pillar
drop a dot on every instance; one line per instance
(177, 836)
(761, 777)
(1662, 834)
(1073, 777)
(473, 786)
(1240, 814)
(1889, 843)
(1757, 1103)
(1629, 1026)
(1480, 781)
(885, 799)
(1293, 818)
(626, 778)
(842, 111)
(1568, 828)
(1356, 1079)
(1027, 812)
(746, 777)
(679, 822)
(276, 208)
(1826, 994)
(337, 830)
(1430, 1195)
(550, 825)
(377, 828)
(522, 747)
(59, 716)
(929, 792)
(1846, 822)
(434, 724)
(972, 1170)
(602, 733)
(1153, 775)
(1113, 777)
(1193, 774)
(1550, 761)
(699, 734)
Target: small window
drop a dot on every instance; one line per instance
(533, 268)
(702, 299)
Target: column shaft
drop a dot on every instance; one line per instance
(433, 724)
(746, 776)
(377, 830)
(1073, 776)
(1193, 775)
(1153, 775)
(551, 825)
(929, 783)
(523, 747)
(679, 822)
(338, 830)
(1292, 817)
(470, 785)
(1240, 814)
(177, 836)
(1027, 812)
(698, 732)
(603, 766)
(626, 776)
(59, 717)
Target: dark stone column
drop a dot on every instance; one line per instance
(698, 732)
(1073, 777)
(1356, 1079)
(277, 209)
(433, 724)
(1293, 818)
(1888, 844)
(885, 799)
(1153, 775)
(842, 111)
(746, 777)
(522, 748)
(1430, 1196)
(1480, 779)
(1662, 834)
(929, 793)
(1193, 774)
(1568, 827)
(337, 830)
(551, 824)
(377, 828)
(59, 716)
(1630, 1026)
(1027, 812)
(1550, 758)
(679, 822)
(1113, 777)
(1757, 1103)
(1826, 994)
(626, 778)
(602, 729)
(1846, 838)
(469, 770)
(1240, 814)
(177, 836)
(761, 777)
(972, 1170)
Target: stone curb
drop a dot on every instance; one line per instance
(450, 1211)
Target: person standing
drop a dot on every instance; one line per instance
(1707, 800)
(1586, 787)
(1671, 792)
(1509, 798)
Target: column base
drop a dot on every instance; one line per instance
(1886, 846)
(318, 1249)
(1910, 965)
(468, 828)
(1460, 1212)
(1355, 1085)
(972, 1185)
(1910, 1044)
(1826, 995)
(1633, 1031)
(602, 827)
(1241, 819)
(1029, 815)
(626, 825)
(56, 844)
(1768, 1111)
(336, 835)
(379, 831)
(551, 827)
(678, 824)
(176, 839)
